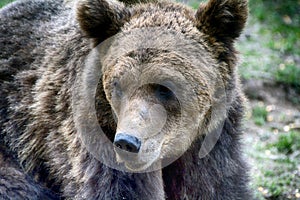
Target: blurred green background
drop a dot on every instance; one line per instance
(270, 72)
(4, 2)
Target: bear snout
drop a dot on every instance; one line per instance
(127, 142)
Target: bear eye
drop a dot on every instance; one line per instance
(163, 93)
(117, 89)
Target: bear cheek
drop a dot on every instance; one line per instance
(174, 146)
(179, 135)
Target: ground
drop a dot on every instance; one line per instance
(272, 142)
(270, 71)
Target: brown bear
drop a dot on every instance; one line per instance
(102, 99)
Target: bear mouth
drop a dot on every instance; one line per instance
(137, 162)
(137, 167)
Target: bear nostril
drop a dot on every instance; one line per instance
(127, 142)
(118, 145)
(129, 148)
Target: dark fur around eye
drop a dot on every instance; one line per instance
(163, 93)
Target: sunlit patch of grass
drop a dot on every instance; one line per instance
(4, 2)
(288, 143)
(259, 114)
(277, 167)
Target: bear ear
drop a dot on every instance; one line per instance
(222, 19)
(100, 19)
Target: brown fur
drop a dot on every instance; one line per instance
(38, 79)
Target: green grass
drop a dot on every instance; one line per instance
(282, 18)
(275, 174)
(287, 143)
(273, 42)
(259, 114)
(4, 2)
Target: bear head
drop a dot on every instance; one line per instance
(168, 72)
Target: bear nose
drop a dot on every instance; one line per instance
(127, 142)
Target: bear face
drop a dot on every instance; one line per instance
(163, 110)
(166, 73)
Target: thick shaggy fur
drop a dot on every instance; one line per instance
(44, 44)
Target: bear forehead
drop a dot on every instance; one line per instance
(167, 45)
(163, 15)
